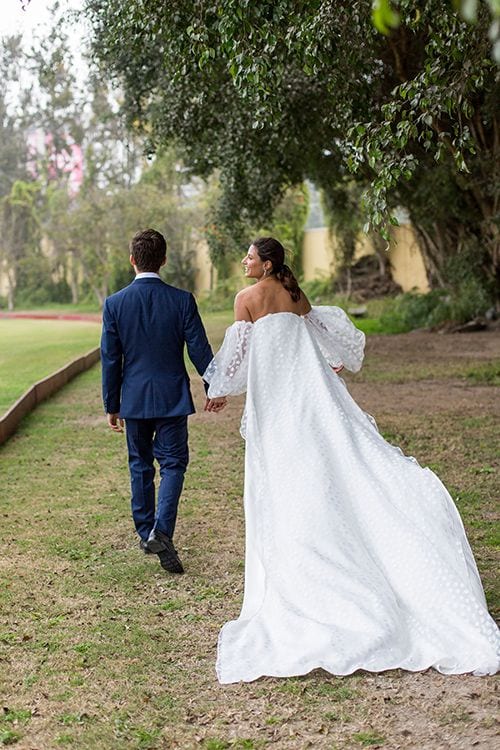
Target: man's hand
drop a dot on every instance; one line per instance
(215, 404)
(115, 422)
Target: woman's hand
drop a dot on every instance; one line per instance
(215, 404)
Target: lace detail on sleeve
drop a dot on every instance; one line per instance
(227, 372)
(341, 343)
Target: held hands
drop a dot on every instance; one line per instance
(115, 422)
(337, 369)
(215, 404)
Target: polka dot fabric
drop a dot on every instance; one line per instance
(356, 557)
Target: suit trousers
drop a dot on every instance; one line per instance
(165, 440)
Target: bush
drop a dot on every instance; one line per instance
(471, 300)
(222, 297)
(468, 300)
(319, 291)
(38, 296)
(411, 310)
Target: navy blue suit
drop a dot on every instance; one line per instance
(144, 379)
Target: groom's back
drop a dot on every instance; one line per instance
(152, 322)
(150, 318)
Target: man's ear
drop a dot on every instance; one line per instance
(163, 261)
(132, 262)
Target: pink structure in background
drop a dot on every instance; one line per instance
(67, 161)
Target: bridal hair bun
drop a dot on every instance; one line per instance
(270, 249)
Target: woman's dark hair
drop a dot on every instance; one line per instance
(270, 249)
(148, 249)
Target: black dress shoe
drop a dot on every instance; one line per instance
(169, 560)
(144, 546)
(163, 546)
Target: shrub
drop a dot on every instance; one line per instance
(408, 311)
(222, 297)
(318, 290)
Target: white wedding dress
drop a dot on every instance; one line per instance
(356, 557)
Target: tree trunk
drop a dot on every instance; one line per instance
(432, 257)
(11, 290)
(101, 292)
(75, 292)
(99, 296)
(381, 248)
(73, 278)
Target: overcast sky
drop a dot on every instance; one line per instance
(35, 22)
(15, 20)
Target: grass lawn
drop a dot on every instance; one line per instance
(32, 349)
(102, 650)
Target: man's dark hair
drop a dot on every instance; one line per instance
(148, 249)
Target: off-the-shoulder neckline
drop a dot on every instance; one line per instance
(314, 308)
(267, 315)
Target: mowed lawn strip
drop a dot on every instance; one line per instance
(100, 648)
(32, 349)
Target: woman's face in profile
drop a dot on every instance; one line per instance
(252, 264)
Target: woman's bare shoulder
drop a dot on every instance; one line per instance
(244, 292)
(241, 305)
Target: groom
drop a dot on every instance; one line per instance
(145, 384)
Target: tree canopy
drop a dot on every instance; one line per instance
(271, 93)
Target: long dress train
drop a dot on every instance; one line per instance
(356, 556)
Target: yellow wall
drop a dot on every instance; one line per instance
(407, 265)
(318, 254)
(406, 261)
(206, 273)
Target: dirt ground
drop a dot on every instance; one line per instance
(101, 650)
(424, 406)
(432, 363)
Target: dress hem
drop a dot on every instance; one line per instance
(476, 672)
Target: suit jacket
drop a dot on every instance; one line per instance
(144, 329)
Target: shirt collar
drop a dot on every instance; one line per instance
(147, 275)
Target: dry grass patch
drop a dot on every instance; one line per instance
(101, 649)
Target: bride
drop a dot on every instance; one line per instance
(356, 557)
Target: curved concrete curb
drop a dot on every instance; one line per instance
(42, 390)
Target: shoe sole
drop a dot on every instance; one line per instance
(170, 562)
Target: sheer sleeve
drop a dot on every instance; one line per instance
(341, 343)
(227, 372)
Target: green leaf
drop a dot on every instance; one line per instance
(384, 17)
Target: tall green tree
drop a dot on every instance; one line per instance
(272, 93)
(19, 198)
(20, 234)
(63, 239)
